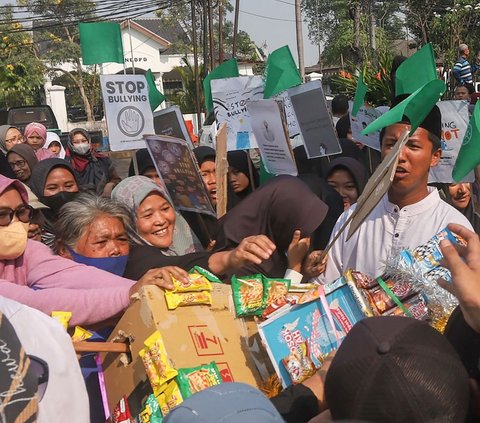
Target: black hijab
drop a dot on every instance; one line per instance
(275, 209)
(241, 161)
(354, 167)
(144, 161)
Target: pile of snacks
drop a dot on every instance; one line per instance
(258, 295)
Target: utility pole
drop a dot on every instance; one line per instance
(220, 33)
(195, 66)
(235, 27)
(298, 24)
(371, 26)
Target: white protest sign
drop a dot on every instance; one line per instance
(127, 110)
(316, 126)
(230, 96)
(272, 140)
(365, 116)
(454, 125)
(293, 128)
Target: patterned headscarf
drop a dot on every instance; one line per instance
(38, 128)
(133, 190)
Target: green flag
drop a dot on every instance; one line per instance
(101, 42)
(416, 107)
(360, 93)
(416, 71)
(155, 97)
(281, 72)
(469, 155)
(228, 69)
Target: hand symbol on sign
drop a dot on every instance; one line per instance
(131, 121)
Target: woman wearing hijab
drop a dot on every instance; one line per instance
(22, 159)
(35, 136)
(54, 145)
(348, 177)
(242, 174)
(460, 196)
(277, 209)
(53, 181)
(9, 136)
(92, 169)
(163, 237)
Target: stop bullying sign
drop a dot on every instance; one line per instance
(127, 110)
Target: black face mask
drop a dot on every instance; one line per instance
(56, 201)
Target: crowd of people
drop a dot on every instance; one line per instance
(74, 236)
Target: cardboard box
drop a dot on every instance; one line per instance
(193, 335)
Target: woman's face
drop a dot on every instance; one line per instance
(156, 220)
(35, 141)
(79, 138)
(105, 237)
(13, 137)
(59, 179)
(460, 194)
(54, 147)
(238, 180)
(344, 184)
(19, 166)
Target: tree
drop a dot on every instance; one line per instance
(185, 98)
(21, 72)
(59, 38)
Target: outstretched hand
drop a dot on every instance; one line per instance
(161, 277)
(464, 264)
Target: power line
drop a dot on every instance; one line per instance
(267, 17)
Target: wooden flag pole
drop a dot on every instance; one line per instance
(221, 170)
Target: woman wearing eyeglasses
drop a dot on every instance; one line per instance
(22, 159)
(31, 274)
(9, 136)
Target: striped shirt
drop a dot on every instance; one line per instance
(463, 71)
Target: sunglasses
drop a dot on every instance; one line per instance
(40, 369)
(24, 214)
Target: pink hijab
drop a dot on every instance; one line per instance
(41, 153)
(13, 270)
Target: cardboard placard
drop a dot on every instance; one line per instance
(316, 127)
(364, 117)
(176, 165)
(193, 335)
(127, 110)
(268, 127)
(221, 171)
(170, 122)
(230, 96)
(455, 118)
(292, 123)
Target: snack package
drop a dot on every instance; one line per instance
(63, 317)
(196, 379)
(272, 308)
(156, 348)
(361, 280)
(162, 402)
(121, 412)
(209, 275)
(151, 412)
(274, 290)
(177, 299)
(301, 287)
(81, 334)
(309, 296)
(196, 282)
(380, 301)
(150, 370)
(416, 306)
(299, 364)
(248, 295)
(173, 396)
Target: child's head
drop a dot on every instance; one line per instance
(35, 135)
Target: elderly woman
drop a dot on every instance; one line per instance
(92, 169)
(9, 136)
(22, 159)
(163, 237)
(32, 275)
(36, 136)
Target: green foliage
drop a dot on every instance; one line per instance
(21, 72)
(185, 98)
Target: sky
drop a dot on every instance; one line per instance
(275, 25)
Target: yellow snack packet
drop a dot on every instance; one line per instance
(81, 334)
(173, 395)
(156, 348)
(63, 317)
(177, 299)
(196, 282)
(151, 370)
(162, 401)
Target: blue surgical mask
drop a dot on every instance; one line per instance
(115, 265)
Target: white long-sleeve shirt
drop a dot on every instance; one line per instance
(388, 228)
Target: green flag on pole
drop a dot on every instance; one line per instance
(416, 107)
(469, 155)
(101, 42)
(155, 97)
(360, 93)
(281, 72)
(228, 69)
(416, 71)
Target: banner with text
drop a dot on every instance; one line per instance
(365, 116)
